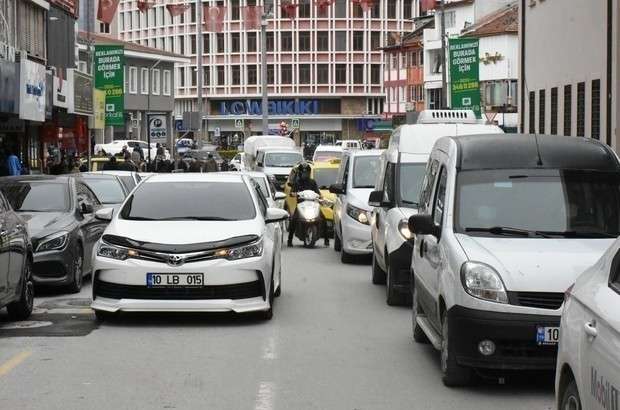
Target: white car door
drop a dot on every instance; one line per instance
(599, 326)
(381, 219)
(343, 173)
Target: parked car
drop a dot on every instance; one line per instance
(397, 188)
(109, 189)
(588, 370)
(16, 287)
(324, 153)
(59, 213)
(205, 246)
(352, 213)
(129, 178)
(116, 147)
(506, 223)
(237, 163)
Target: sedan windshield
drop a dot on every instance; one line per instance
(365, 171)
(411, 178)
(209, 201)
(28, 196)
(282, 159)
(325, 177)
(108, 190)
(543, 203)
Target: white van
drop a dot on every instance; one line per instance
(396, 193)
(505, 226)
(275, 156)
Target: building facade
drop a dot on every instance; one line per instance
(569, 84)
(324, 69)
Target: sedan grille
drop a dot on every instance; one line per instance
(540, 300)
(236, 291)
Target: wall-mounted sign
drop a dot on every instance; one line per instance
(61, 91)
(32, 91)
(277, 107)
(366, 124)
(239, 123)
(82, 96)
(465, 74)
(9, 96)
(98, 122)
(109, 76)
(158, 128)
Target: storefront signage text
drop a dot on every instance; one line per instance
(109, 76)
(280, 107)
(32, 91)
(82, 101)
(465, 74)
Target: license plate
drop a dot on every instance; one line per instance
(547, 335)
(174, 280)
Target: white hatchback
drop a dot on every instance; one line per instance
(189, 243)
(588, 372)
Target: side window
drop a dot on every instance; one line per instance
(345, 174)
(259, 158)
(427, 186)
(85, 194)
(388, 183)
(144, 145)
(614, 278)
(440, 197)
(262, 201)
(342, 170)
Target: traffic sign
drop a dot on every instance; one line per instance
(490, 116)
(295, 123)
(217, 132)
(239, 123)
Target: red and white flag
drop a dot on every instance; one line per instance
(214, 18)
(177, 9)
(289, 9)
(322, 7)
(426, 5)
(252, 17)
(106, 10)
(144, 5)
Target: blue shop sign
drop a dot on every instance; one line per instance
(277, 107)
(367, 124)
(178, 125)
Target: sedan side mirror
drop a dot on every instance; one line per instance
(337, 189)
(376, 200)
(424, 225)
(278, 196)
(275, 215)
(86, 208)
(104, 214)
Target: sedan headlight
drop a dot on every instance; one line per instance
(252, 250)
(53, 242)
(115, 252)
(483, 282)
(358, 214)
(403, 228)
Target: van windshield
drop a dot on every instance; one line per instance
(282, 159)
(540, 203)
(410, 183)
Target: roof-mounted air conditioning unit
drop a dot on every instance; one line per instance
(447, 117)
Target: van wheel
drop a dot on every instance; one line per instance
(453, 375)
(337, 242)
(102, 315)
(393, 296)
(418, 334)
(22, 308)
(378, 274)
(570, 398)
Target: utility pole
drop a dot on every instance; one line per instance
(263, 70)
(199, 73)
(444, 68)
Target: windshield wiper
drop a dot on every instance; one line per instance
(408, 202)
(580, 234)
(506, 230)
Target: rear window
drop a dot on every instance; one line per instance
(208, 201)
(128, 181)
(365, 171)
(326, 155)
(25, 196)
(108, 190)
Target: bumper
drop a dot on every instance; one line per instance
(400, 263)
(356, 238)
(52, 268)
(513, 334)
(155, 305)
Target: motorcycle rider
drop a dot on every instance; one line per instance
(303, 181)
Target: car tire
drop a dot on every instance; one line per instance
(392, 296)
(22, 309)
(453, 375)
(570, 398)
(268, 314)
(418, 334)
(345, 257)
(378, 274)
(78, 271)
(278, 291)
(337, 242)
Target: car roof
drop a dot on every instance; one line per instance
(328, 148)
(421, 138)
(526, 151)
(114, 172)
(196, 177)
(364, 152)
(96, 175)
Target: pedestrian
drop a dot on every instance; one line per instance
(160, 151)
(136, 157)
(13, 164)
(124, 151)
(128, 164)
(210, 164)
(111, 165)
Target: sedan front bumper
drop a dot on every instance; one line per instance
(155, 305)
(356, 238)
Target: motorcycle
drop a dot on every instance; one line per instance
(309, 219)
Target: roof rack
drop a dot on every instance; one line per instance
(447, 117)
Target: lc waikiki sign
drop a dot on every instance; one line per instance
(109, 77)
(276, 107)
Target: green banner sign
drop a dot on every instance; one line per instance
(109, 77)
(465, 74)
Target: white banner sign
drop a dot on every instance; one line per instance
(31, 91)
(62, 92)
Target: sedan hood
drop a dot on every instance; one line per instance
(44, 223)
(533, 264)
(358, 197)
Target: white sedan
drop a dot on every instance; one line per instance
(189, 243)
(588, 371)
(116, 147)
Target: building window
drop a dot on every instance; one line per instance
(220, 42)
(270, 41)
(144, 81)
(375, 73)
(252, 75)
(221, 75)
(206, 75)
(391, 9)
(450, 19)
(596, 110)
(358, 73)
(304, 73)
(271, 74)
(236, 75)
(205, 44)
(234, 12)
(181, 49)
(286, 74)
(133, 80)
(341, 9)
(304, 9)
(104, 28)
(194, 76)
(167, 86)
(532, 112)
(252, 42)
(192, 42)
(155, 84)
(304, 41)
(322, 41)
(581, 109)
(341, 73)
(341, 41)
(542, 99)
(235, 42)
(407, 14)
(286, 41)
(358, 41)
(554, 111)
(568, 107)
(322, 73)
(181, 77)
(375, 40)
(375, 12)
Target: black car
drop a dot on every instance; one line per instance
(59, 212)
(16, 288)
